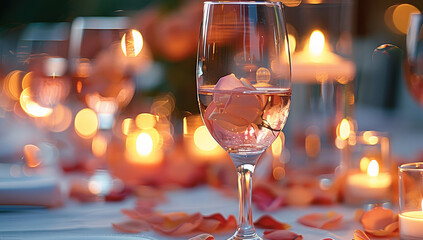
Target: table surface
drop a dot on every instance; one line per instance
(94, 220)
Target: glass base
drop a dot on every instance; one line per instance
(250, 236)
(243, 237)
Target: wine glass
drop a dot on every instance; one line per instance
(413, 65)
(244, 86)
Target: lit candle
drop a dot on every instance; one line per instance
(198, 141)
(411, 224)
(317, 63)
(371, 185)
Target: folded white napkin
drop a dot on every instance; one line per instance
(20, 185)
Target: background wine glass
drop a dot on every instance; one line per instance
(413, 65)
(102, 80)
(244, 86)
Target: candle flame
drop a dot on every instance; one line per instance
(316, 43)
(144, 144)
(344, 129)
(132, 43)
(277, 146)
(373, 168)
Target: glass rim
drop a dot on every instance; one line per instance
(416, 166)
(242, 3)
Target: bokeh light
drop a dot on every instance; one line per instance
(32, 108)
(32, 155)
(86, 123)
(397, 17)
(203, 140)
(99, 145)
(145, 121)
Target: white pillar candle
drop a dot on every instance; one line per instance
(411, 225)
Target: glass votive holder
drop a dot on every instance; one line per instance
(410, 201)
(369, 175)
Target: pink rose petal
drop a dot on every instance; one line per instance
(179, 223)
(132, 226)
(230, 82)
(232, 111)
(204, 236)
(267, 222)
(378, 218)
(281, 235)
(360, 235)
(330, 220)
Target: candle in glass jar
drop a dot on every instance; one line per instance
(373, 185)
(411, 224)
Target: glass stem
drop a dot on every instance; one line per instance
(245, 183)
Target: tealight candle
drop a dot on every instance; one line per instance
(371, 185)
(410, 201)
(411, 224)
(317, 63)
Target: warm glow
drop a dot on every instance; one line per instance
(32, 155)
(145, 121)
(316, 43)
(278, 173)
(401, 16)
(32, 108)
(312, 145)
(58, 121)
(344, 129)
(373, 168)
(12, 84)
(86, 123)
(132, 43)
(27, 79)
(364, 164)
(185, 126)
(292, 43)
(126, 126)
(144, 144)
(370, 138)
(94, 187)
(99, 145)
(203, 140)
(277, 147)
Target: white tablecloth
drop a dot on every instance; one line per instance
(94, 220)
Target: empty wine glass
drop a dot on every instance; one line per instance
(413, 65)
(244, 86)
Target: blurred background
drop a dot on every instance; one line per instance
(79, 78)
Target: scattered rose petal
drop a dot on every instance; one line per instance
(281, 235)
(360, 235)
(387, 231)
(267, 222)
(378, 218)
(266, 200)
(132, 226)
(204, 236)
(330, 220)
(179, 223)
(217, 223)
